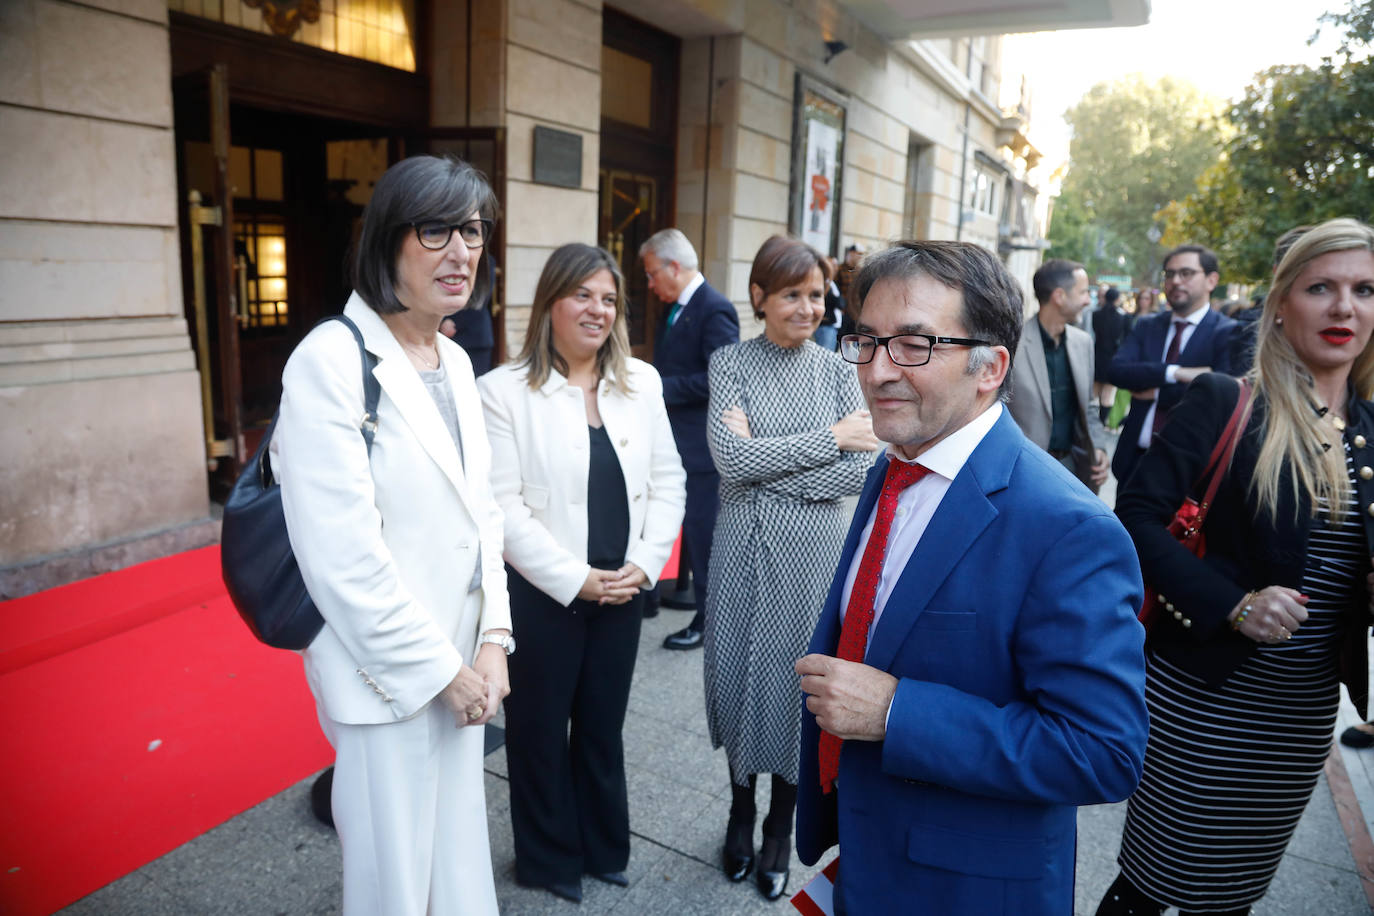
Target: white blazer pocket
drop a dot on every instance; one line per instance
(535, 496)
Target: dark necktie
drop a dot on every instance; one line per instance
(859, 617)
(1170, 359)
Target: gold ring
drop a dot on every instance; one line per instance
(475, 712)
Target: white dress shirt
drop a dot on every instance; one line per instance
(1171, 370)
(915, 507)
(689, 290)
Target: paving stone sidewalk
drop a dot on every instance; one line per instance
(275, 859)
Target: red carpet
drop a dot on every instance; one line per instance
(138, 713)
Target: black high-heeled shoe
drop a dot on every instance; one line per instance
(737, 856)
(570, 891)
(774, 858)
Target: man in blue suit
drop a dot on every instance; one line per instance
(977, 671)
(1167, 350)
(696, 323)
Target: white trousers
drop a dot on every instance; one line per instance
(410, 807)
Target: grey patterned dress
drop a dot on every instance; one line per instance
(777, 540)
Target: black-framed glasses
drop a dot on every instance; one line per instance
(1183, 273)
(434, 234)
(903, 349)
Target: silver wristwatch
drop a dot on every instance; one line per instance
(506, 641)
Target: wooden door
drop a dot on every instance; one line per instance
(201, 102)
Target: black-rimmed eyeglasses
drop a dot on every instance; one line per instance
(434, 234)
(903, 349)
(1183, 273)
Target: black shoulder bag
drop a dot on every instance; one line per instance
(259, 568)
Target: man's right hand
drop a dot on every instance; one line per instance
(1185, 374)
(850, 700)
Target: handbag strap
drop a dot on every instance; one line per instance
(1225, 449)
(372, 389)
(372, 395)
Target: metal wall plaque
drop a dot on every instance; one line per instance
(557, 157)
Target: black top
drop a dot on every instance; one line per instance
(1063, 406)
(1110, 327)
(1245, 548)
(608, 508)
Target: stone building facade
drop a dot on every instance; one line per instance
(597, 123)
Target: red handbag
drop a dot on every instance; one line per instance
(1186, 526)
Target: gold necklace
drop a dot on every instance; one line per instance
(419, 354)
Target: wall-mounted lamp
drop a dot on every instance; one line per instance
(833, 48)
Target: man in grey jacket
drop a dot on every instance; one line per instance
(1052, 378)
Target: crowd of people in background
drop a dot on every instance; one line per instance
(935, 684)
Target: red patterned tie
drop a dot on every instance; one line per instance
(1170, 358)
(859, 617)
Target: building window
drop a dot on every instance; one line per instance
(984, 195)
(260, 248)
(916, 207)
(377, 30)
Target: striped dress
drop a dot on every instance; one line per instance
(1229, 770)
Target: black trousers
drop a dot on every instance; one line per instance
(698, 527)
(570, 684)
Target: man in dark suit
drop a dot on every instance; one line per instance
(978, 670)
(1167, 350)
(696, 323)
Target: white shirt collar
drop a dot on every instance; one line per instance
(690, 289)
(948, 456)
(1194, 319)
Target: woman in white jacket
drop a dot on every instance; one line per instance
(586, 472)
(401, 551)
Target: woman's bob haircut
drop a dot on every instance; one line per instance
(415, 190)
(780, 263)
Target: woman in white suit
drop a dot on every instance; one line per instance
(401, 551)
(586, 472)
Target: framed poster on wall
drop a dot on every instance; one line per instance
(818, 123)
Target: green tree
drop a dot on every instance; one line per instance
(1138, 145)
(1076, 234)
(1302, 151)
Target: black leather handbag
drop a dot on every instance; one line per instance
(256, 560)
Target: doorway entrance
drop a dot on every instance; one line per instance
(639, 73)
(287, 193)
(272, 182)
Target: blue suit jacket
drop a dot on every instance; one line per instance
(1013, 634)
(1139, 366)
(682, 356)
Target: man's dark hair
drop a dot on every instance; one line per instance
(1056, 273)
(1111, 295)
(1285, 242)
(993, 305)
(415, 190)
(1205, 256)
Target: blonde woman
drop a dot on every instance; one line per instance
(1243, 676)
(585, 469)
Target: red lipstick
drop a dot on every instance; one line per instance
(1337, 335)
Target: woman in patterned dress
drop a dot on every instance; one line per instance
(790, 439)
(1245, 662)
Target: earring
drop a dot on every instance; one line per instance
(1278, 320)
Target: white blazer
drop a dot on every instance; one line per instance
(387, 547)
(541, 451)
